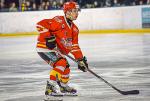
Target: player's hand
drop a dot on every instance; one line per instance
(82, 64)
(51, 42)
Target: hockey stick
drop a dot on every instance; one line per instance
(120, 91)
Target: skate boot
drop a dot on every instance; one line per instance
(67, 90)
(51, 90)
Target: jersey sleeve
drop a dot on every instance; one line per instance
(76, 51)
(46, 28)
(48, 25)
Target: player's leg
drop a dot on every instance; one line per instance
(63, 83)
(60, 73)
(53, 59)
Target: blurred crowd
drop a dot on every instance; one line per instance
(38, 5)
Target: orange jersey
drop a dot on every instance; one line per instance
(66, 36)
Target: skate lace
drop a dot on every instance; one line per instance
(54, 88)
(68, 88)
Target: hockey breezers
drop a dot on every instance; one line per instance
(131, 92)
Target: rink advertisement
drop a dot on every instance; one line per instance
(146, 17)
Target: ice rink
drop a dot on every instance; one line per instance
(121, 59)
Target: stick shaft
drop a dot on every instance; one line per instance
(103, 80)
(119, 91)
(93, 73)
(97, 76)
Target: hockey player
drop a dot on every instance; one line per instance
(59, 36)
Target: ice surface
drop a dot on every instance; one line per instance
(123, 60)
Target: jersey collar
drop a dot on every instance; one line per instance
(67, 23)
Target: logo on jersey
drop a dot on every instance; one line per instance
(67, 42)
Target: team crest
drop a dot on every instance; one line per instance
(67, 42)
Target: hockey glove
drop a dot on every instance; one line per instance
(51, 42)
(82, 64)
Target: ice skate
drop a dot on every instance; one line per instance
(66, 90)
(51, 90)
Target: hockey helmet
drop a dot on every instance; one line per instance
(70, 5)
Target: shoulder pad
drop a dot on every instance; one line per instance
(58, 19)
(56, 23)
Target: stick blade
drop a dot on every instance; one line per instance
(132, 92)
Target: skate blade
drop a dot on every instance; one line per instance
(52, 98)
(55, 95)
(69, 94)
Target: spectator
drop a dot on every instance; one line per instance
(143, 2)
(34, 7)
(102, 3)
(96, 4)
(1, 6)
(61, 2)
(133, 3)
(42, 6)
(28, 5)
(108, 3)
(23, 6)
(13, 7)
(54, 5)
(47, 5)
(148, 2)
(116, 3)
(140, 2)
(89, 4)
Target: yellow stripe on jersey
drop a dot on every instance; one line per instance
(41, 45)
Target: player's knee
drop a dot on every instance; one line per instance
(62, 62)
(65, 75)
(66, 71)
